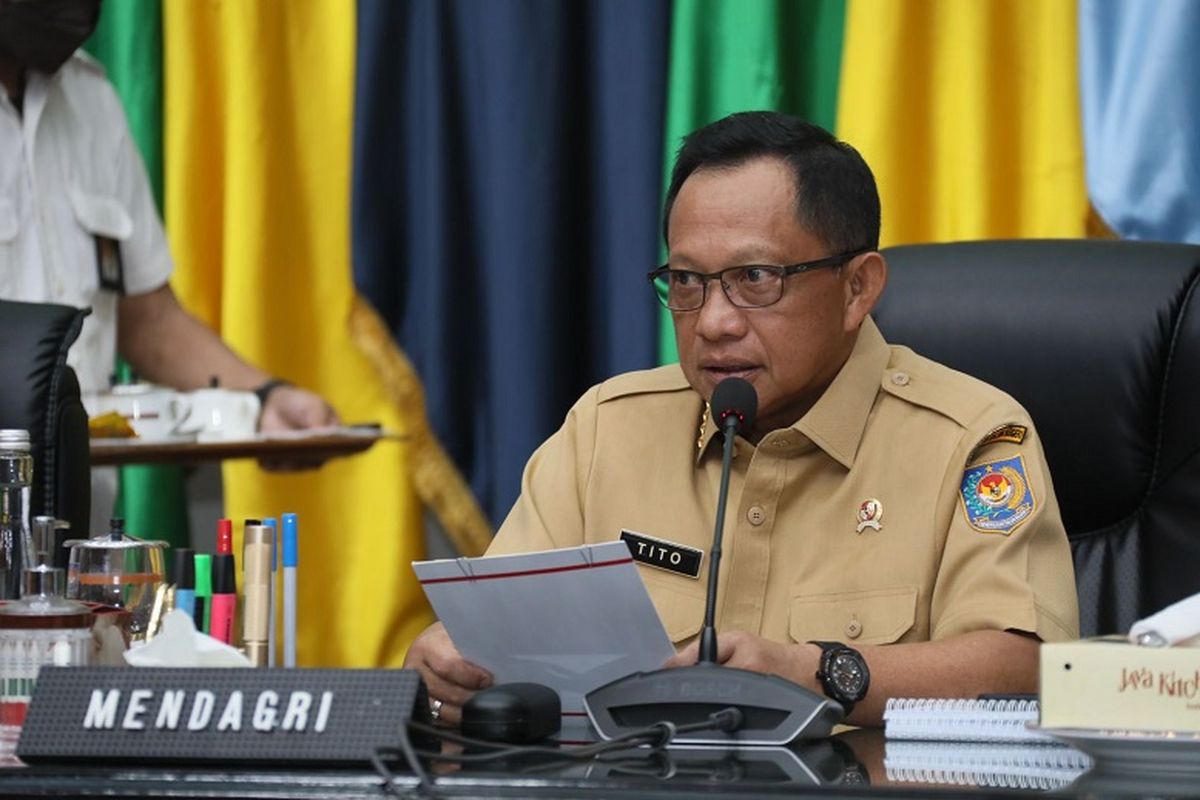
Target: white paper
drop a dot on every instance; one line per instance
(179, 644)
(1177, 625)
(572, 619)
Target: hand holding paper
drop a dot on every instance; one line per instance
(571, 619)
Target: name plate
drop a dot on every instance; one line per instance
(259, 716)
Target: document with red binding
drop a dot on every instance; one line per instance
(572, 619)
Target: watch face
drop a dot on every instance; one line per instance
(855, 776)
(847, 675)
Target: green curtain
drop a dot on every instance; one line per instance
(128, 41)
(782, 55)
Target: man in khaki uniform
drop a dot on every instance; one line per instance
(879, 499)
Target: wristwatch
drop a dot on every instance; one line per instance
(264, 391)
(843, 674)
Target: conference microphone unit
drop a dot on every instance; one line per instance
(773, 710)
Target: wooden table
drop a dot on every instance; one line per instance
(316, 445)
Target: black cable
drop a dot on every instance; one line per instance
(425, 786)
(655, 736)
(651, 764)
(389, 779)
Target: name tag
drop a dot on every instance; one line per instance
(661, 554)
(222, 716)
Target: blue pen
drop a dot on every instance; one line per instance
(270, 523)
(291, 559)
(184, 576)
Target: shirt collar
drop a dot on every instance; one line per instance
(837, 420)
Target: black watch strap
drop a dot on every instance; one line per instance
(264, 391)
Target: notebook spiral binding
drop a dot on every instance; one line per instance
(959, 720)
(1006, 766)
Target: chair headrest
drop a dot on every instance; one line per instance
(1099, 340)
(34, 340)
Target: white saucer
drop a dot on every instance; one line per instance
(1174, 751)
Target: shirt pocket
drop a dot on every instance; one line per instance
(877, 616)
(101, 215)
(681, 611)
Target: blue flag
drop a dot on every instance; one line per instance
(1139, 66)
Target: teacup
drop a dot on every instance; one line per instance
(152, 411)
(217, 415)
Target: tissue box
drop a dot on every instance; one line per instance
(1110, 684)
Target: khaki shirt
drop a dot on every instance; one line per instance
(639, 453)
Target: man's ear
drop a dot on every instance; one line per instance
(866, 277)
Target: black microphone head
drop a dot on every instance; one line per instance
(734, 399)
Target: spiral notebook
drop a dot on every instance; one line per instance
(1008, 766)
(943, 720)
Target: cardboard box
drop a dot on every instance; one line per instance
(1110, 684)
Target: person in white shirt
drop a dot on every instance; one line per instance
(78, 225)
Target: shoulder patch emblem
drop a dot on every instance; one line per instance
(996, 496)
(1005, 433)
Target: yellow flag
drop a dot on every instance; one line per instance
(968, 113)
(259, 113)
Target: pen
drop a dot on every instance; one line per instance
(258, 541)
(291, 558)
(185, 581)
(224, 585)
(272, 624)
(203, 617)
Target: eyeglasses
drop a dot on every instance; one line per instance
(750, 286)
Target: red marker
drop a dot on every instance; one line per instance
(224, 585)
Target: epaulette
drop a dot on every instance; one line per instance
(667, 378)
(939, 388)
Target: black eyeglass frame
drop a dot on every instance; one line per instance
(782, 271)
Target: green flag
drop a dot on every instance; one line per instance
(128, 41)
(782, 55)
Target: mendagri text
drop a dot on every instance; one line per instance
(169, 710)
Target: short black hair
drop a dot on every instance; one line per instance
(836, 196)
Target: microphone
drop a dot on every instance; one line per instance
(774, 710)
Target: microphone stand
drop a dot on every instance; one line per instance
(708, 634)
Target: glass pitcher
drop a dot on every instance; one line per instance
(119, 570)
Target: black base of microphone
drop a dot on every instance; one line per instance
(775, 711)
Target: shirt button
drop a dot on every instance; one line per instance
(853, 629)
(900, 378)
(756, 515)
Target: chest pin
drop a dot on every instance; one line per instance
(870, 514)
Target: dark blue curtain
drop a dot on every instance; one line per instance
(507, 167)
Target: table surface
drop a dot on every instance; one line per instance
(318, 445)
(850, 765)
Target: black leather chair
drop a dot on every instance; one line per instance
(1100, 341)
(40, 393)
